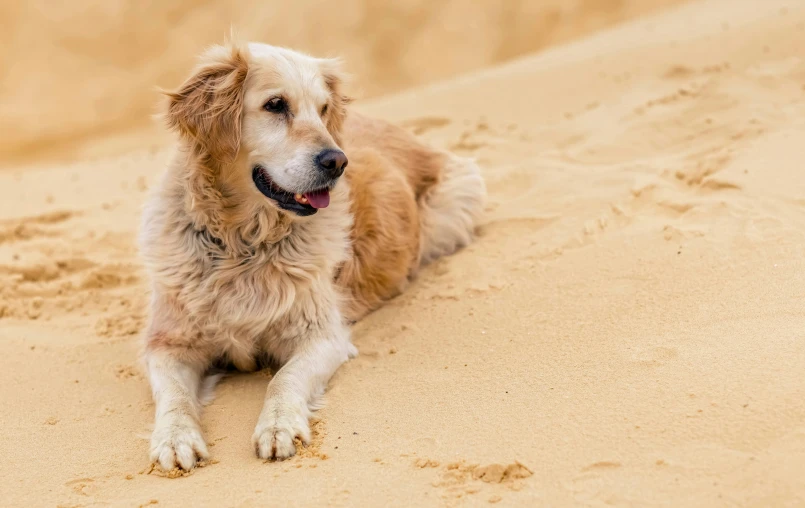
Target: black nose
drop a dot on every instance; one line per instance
(332, 162)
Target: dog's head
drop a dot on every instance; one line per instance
(269, 120)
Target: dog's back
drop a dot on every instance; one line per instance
(411, 204)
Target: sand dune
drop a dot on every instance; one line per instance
(78, 70)
(629, 328)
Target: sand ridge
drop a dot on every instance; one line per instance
(627, 329)
(124, 49)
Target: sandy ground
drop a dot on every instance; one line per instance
(629, 328)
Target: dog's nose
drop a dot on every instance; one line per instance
(332, 162)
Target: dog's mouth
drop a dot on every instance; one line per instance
(301, 203)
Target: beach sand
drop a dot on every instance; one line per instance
(628, 328)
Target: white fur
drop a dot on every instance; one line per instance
(451, 210)
(176, 439)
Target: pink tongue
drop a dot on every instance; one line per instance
(318, 199)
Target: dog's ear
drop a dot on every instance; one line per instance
(334, 77)
(208, 107)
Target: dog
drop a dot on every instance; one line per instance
(281, 219)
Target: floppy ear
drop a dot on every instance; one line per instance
(208, 107)
(334, 77)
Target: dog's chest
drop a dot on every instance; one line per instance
(249, 296)
(246, 302)
(252, 300)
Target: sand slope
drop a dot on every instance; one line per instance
(81, 69)
(629, 328)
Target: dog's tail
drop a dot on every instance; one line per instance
(451, 209)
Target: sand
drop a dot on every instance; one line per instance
(628, 329)
(124, 49)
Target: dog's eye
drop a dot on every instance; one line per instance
(276, 105)
(324, 110)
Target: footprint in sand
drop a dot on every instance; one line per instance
(43, 290)
(460, 479)
(424, 124)
(81, 486)
(603, 465)
(28, 228)
(124, 372)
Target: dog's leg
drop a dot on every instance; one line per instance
(175, 383)
(293, 392)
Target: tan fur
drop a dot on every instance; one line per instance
(390, 172)
(238, 281)
(207, 108)
(385, 234)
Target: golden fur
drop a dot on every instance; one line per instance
(239, 281)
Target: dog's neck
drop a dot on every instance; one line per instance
(241, 227)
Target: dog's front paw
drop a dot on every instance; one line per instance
(275, 432)
(178, 444)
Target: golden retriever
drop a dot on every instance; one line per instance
(263, 241)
